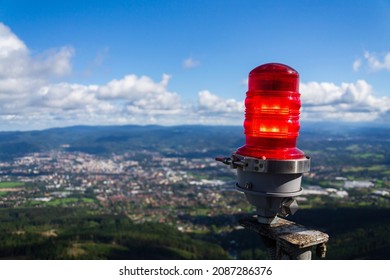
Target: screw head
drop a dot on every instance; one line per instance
(289, 207)
(248, 186)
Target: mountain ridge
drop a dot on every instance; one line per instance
(170, 140)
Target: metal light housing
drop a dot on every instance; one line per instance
(269, 165)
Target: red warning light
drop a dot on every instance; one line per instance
(272, 113)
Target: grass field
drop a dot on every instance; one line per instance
(61, 202)
(372, 168)
(8, 185)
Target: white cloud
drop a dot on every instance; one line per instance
(212, 103)
(357, 64)
(345, 102)
(97, 62)
(22, 75)
(314, 93)
(373, 62)
(16, 61)
(190, 63)
(66, 96)
(13, 54)
(351, 102)
(132, 87)
(10, 43)
(52, 62)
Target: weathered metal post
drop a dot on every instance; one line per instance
(286, 240)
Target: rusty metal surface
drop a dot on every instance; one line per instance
(286, 232)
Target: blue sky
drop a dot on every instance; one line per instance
(183, 62)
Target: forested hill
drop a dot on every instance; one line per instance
(190, 140)
(184, 140)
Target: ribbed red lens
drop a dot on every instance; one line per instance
(272, 113)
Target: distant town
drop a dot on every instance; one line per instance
(147, 186)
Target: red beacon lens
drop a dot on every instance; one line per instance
(272, 113)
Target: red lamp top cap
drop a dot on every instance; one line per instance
(273, 76)
(274, 68)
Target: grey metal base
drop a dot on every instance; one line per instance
(271, 194)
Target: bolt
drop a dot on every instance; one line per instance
(225, 160)
(289, 207)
